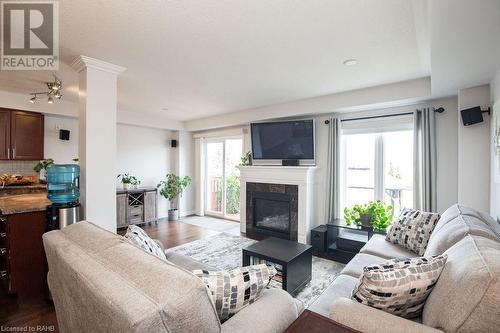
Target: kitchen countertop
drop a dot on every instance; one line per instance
(17, 187)
(24, 203)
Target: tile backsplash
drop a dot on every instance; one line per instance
(24, 168)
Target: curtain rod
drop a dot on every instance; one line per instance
(438, 110)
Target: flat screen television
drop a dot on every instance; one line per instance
(284, 140)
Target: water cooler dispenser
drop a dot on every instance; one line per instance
(64, 192)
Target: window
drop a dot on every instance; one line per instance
(222, 195)
(378, 164)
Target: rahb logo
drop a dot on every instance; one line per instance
(30, 35)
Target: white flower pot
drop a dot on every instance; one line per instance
(126, 186)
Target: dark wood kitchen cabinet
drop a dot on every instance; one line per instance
(4, 135)
(22, 257)
(22, 135)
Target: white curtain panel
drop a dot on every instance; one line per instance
(333, 170)
(424, 159)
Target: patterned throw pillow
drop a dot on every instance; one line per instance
(413, 229)
(399, 286)
(232, 290)
(139, 237)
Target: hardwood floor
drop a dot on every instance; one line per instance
(36, 313)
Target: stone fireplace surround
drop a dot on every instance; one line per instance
(252, 190)
(276, 177)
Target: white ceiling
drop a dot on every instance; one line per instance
(465, 43)
(201, 58)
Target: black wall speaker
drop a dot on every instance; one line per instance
(472, 116)
(318, 238)
(173, 143)
(64, 134)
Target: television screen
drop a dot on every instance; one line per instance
(289, 140)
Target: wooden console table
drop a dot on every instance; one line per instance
(312, 322)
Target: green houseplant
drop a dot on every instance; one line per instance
(171, 189)
(246, 159)
(41, 168)
(128, 180)
(373, 214)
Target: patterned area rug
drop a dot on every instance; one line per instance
(223, 251)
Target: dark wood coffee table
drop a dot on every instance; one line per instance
(312, 322)
(295, 259)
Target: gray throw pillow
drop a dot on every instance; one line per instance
(140, 238)
(413, 229)
(232, 290)
(399, 286)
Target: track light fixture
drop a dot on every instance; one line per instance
(54, 91)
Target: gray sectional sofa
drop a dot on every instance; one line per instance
(466, 297)
(102, 283)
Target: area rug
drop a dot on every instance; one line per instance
(223, 251)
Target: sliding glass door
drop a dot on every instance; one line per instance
(222, 195)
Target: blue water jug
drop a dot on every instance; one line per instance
(62, 183)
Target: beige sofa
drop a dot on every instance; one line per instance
(466, 297)
(101, 283)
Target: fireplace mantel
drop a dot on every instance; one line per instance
(302, 176)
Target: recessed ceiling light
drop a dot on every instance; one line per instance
(350, 62)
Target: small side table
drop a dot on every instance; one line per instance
(344, 241)
(294, 258)
(312, 322)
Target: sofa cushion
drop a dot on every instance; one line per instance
(453, 229)
(458, 209)
(273, 313)
(378, 246)
(342, 286)
(186, 262)
(355, 267)
(465, 299)
(235, 289)
(413, 229)
(399, 287)
(137, 236)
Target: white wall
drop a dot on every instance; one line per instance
(495, 186)
(145, 153)
(61, 151)
(474, 151)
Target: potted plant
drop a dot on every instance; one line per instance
(171, 189)
(41, 168)
(128, 180)
(374, 214)
(246, 159)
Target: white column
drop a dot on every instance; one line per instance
(199, 180)
(97, 139)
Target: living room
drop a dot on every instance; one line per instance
(324, 166)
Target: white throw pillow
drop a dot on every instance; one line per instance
(399, 286)
(413, 229)
(232, 290)
(139, 237)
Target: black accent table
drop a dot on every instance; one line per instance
(295, 259)
(344, 241)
